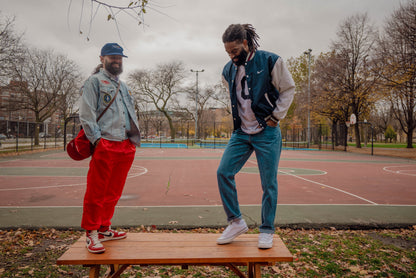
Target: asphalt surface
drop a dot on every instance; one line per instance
(358, 215)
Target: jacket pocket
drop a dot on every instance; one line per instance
(266, 96)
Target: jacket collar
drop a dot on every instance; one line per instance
(250, 56)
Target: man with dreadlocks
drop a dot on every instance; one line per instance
(261, 90)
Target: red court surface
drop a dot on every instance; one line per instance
(181, 177)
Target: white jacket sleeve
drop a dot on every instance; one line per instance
(282, 80)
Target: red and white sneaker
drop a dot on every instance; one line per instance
(106, 233)
(93, 243)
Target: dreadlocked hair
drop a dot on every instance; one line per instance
(97, 68)
(240, 32)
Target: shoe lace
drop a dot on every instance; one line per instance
(94, 237)
(265, 236)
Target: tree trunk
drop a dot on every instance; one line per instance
(357, 135)
(172, 129)
(410, 139)
(37, 134)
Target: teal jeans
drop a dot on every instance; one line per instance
(267, 146)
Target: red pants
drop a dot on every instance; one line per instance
(107, 175)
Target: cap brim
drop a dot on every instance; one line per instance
(118, 54)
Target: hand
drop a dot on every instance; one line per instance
(271, 123)
(96, 142)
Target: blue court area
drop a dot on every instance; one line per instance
(164, 145)
(203, 144)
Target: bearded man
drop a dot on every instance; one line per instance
(261, 91)
(115, 137)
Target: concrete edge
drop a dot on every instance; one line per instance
(189, 217)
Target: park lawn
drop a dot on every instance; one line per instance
(317, 253)
(383, 145)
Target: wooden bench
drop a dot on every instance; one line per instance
(177, 249)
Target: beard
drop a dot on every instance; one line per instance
(111, 68)
(240, 59)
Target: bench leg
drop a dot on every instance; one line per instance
(95, 271)
(236, 270)
(254, 270)
(117, 270)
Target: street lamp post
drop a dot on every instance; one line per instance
(196, 102)
(308, 52)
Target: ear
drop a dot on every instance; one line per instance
(245, 45)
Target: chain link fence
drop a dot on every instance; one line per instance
(17, 136)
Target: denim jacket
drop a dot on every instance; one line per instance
(270, 86)
(97, 92)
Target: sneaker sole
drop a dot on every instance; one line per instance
(96, 252)
(229, 240)
(107, 239)
(260, 246)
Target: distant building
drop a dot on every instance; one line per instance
(11, 111)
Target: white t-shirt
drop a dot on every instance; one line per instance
(249, 123)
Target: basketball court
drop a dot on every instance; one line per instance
(187, 178)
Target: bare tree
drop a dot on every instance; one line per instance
(144, 115)
(114, 10)
(11, 48)
(381, 116)
(44, 78)
(353, 47)
(68, 96)
(298, 67)
(204, 101)
(328, 97)
(159, 87)
(396, 65)
(222, 97)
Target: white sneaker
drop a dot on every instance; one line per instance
(234, 229)
(265, 241)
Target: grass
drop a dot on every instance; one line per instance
(317, 253)
(383, 145)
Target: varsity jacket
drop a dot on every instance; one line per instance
(270, 86)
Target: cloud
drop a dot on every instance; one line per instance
(189, 31)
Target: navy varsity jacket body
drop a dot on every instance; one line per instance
(267, 79)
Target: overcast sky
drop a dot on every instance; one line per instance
(188, 31)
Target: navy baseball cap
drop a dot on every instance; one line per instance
(112, 49)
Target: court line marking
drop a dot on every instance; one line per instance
(75, 184)
(292, 169)
(218, 206)
(325, 185)
(400, 172)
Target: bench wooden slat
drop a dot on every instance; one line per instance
(173, 248)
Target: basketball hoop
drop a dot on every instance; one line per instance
(353, 119)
